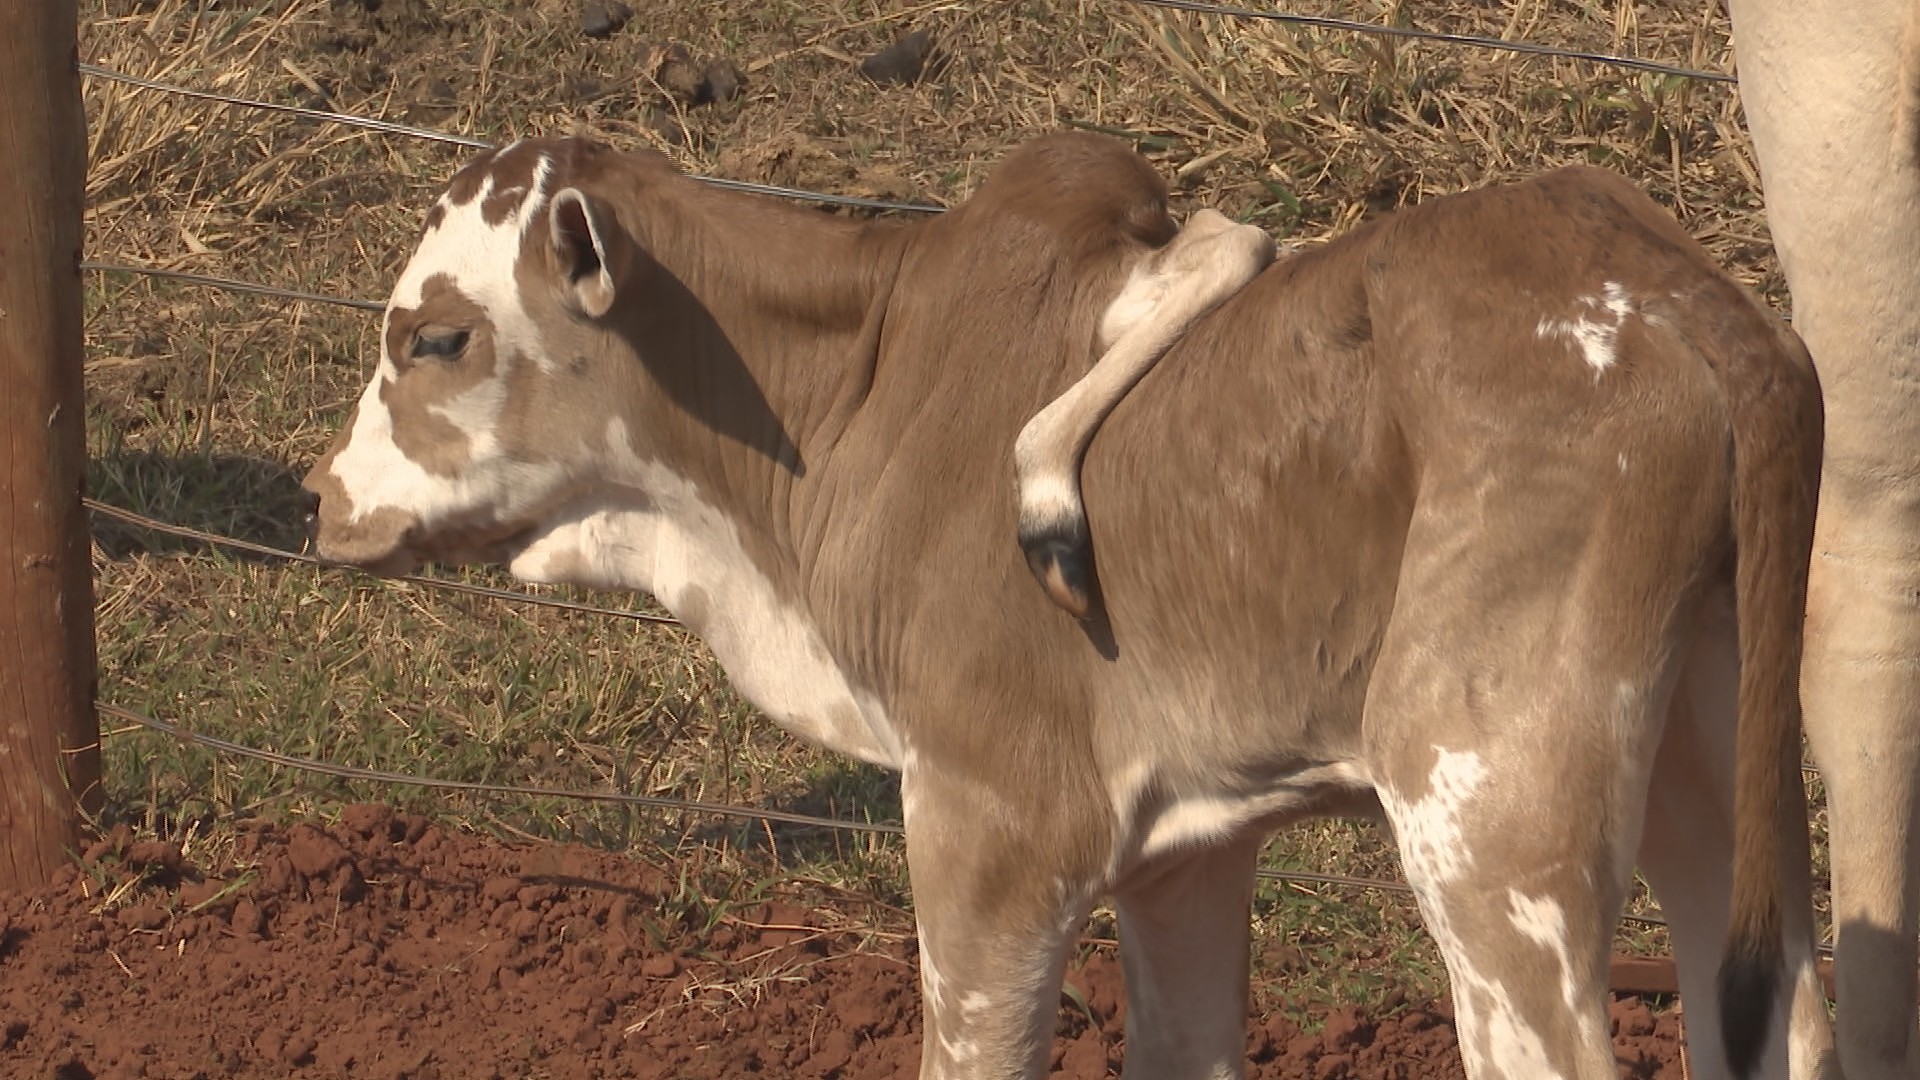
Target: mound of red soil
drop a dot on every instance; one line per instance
(387, 948)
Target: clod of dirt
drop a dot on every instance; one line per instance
(347, 884)
(673, 69)
(143, 917)
(248, 921)
(1641, 1039)
(902, 62)
(367, 819)
(723, 81)
(113, 845)
(155, 855)
(299, 1051)
(1346, 1029)
(313, 853)
(604, 18)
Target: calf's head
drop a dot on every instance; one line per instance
(492, 399)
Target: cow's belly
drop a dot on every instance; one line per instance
(690, 558)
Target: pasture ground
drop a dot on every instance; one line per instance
(388, 947)
(205, 406)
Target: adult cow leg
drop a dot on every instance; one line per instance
(1832, 96)
(1183, 943)
(999, 904)
(1689, 828)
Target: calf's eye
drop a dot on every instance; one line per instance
(439, 345)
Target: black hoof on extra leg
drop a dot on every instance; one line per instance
(1060, 554)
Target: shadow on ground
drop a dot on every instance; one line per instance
(246, 498)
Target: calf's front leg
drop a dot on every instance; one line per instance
(999, 905)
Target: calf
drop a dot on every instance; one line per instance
(1491, 518)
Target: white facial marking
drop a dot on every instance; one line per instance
(376, 475)
(478, 259)
(672, 543)
(476, 411)
(1595, 330)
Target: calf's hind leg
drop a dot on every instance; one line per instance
(1519, 883)
(1689, 830)
(1510, 735)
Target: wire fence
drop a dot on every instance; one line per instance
(186, 735)
(1409, 33)
(142, 521)
(391, 127)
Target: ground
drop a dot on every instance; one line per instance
(388, 947)
(217, 934)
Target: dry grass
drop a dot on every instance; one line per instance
(204, 406)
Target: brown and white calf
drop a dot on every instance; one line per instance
(1491, 517)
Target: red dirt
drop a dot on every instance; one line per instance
(387, 948)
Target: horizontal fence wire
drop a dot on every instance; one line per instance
(188, 737)
(234, 285)
(1527, 48)
(1192, 6)
(390, 127)
(142, 521)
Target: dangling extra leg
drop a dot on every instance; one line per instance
(1206, 262)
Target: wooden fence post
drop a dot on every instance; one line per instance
(49, 736)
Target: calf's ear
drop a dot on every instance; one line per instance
(587, 250)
